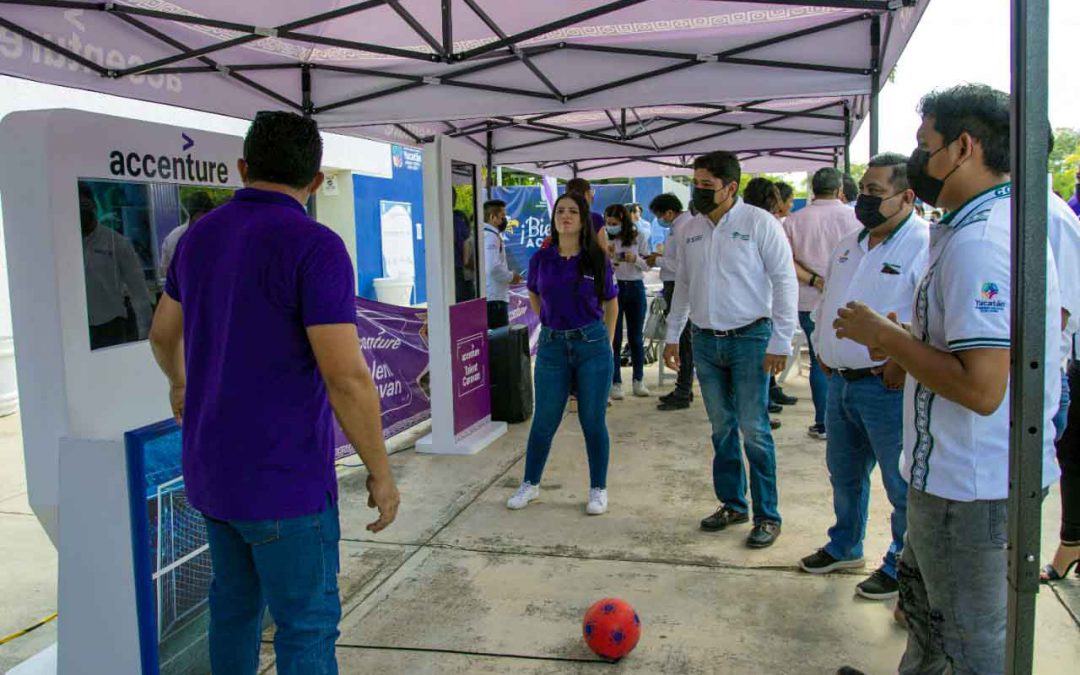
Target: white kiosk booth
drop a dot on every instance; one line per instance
(89, 204)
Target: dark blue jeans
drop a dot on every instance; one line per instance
(735, 388)
(289, 565)
(631, 306)
(582, 355)
(819, 384)
(865, 422)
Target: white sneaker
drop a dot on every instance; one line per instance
(597, 502)
(525, 494)
(640, 389)
(616, 391)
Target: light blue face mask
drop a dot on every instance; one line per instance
(663, 223)
(613, 230)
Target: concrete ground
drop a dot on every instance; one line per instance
(461, 585)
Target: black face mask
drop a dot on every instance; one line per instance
(926, 187)
(704, 200)
(868, 210)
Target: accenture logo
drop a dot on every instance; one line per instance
(181, 167)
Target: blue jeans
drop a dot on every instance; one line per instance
(582, 355)
(953, 586)
(735, 388)
(290, 565)
(865, 422)
(819, 384)
(632, 306)
(1062, 416)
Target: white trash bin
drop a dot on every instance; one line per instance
(393, 291)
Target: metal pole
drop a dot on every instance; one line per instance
(1030, 122)
(307, 107)
(847, 139)
(875, 81)
(489, 157)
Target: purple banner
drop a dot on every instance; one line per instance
(469, 366)
(394, 343)
(521, 312)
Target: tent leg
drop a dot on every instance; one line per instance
(847, 139)
(489, 159)
(1030, 122)
(875, 82)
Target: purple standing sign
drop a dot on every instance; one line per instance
(394, 343)
(469, 368)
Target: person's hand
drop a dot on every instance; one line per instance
(859, 323)
(671, 356)
(651, 259)
(774, 363)
(879, 354)
(517, 279)
(382, 495)
(176, 400)
(819, 284)
(629, 257)
(893, 376)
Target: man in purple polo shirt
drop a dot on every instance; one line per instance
(256, 333)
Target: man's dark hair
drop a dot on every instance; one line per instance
(786, 191)
(664, 203)
(762, 193)
(633, 206)
(851, 188)
(721, 164)
(898, 163)
(284, 148)
(826, 182)
(578, 186)
(979, 110)
(199, 203)
(490, 205)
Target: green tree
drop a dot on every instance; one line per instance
(1065, 160)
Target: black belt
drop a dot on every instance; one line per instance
(734, 331)
(855, 374)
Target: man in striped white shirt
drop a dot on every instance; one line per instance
(953, 569)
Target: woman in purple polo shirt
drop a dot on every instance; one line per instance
(572, 290)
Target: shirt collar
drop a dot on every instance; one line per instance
(268, 197)
(953, 216)
(866, 233)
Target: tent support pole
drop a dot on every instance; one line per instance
(847, 139)
(875, 82)
(490, 158)
(1030, 120)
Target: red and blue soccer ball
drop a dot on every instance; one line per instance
(611, 628)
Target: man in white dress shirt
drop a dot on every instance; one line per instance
(498, 274)
(668, 209)
(880, 265)
(736, 283)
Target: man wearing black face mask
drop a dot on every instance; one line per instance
(499, 274)
(953, 569)
(881, 265)
(735, 282)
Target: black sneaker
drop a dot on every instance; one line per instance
(821, 562)
(764, 534)
(817, 431)
(675, 396)
(879, 586)
(775, 408)
(774, 423)
(674, 404)
(848, 670)
(777, 395)
(724, 516)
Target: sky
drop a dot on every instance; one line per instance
(968, 41)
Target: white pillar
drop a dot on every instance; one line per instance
(9, 390)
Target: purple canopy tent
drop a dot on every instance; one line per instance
(642, 82)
